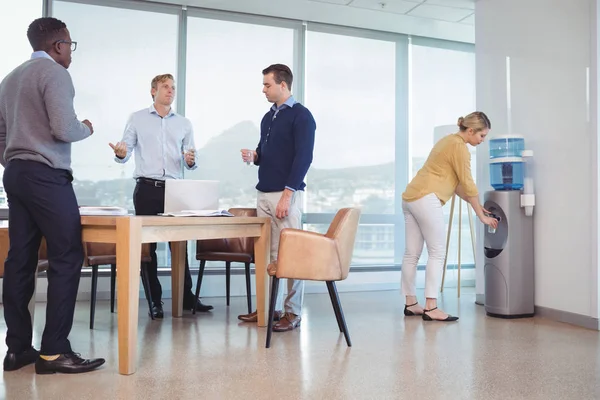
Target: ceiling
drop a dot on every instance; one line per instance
(440, 19)
(459, 11)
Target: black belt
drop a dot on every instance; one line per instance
(152, 182)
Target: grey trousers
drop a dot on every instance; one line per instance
(266, 207)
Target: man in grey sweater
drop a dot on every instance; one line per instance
(37, 126)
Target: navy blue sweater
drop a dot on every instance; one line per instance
(285, 150)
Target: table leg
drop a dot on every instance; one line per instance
(262, 258)
(129, 248)
(177, 276)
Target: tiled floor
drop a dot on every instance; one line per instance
(213, 356)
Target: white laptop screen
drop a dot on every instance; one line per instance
(189, 194)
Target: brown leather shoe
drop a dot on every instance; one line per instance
(287, 323)
(253, 316)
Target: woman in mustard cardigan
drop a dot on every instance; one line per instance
(447, 171)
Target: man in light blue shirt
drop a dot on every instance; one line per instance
(163, 143)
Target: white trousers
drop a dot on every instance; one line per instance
(266, 206)
(424, 220)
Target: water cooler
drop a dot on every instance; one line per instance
(508, 249)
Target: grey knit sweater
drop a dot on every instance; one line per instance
(37, 119)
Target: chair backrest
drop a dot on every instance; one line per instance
(232, 245)
(43, 251)
(100, 249)
(109, 249)
(43, 256)
(5, 244)
(246, 244)
(211, 245)
(343, 231)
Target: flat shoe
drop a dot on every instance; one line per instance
(449, 318)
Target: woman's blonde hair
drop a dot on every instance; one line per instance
(477, 121)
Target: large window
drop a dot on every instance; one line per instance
(377, 99)
(224, 98)
(14, 21)
(351, 91)
(119, 52)
(442, 88)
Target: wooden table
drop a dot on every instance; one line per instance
(129, 232)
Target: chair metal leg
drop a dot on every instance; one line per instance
(272, 301)
(93, 295)
(198, 284)
(113, 281)
(334, 304)
(339, 312)
(146, 285)
(227, 280)
(248, 290)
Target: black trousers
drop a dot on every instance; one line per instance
(41, 203)
(150, 200)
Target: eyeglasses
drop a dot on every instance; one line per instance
(72, 44)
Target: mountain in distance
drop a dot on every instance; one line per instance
(369, 186)
(220, 159)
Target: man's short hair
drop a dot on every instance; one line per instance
(159, 79)
(281, 73)
(43, 32)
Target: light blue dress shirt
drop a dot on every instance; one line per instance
(41, 54)
(288, 103)
(158, 144)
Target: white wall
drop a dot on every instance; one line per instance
(551, 44)
(306, 10)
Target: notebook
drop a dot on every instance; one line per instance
(199, 213)
(87, 210)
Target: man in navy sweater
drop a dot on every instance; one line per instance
(283, 156)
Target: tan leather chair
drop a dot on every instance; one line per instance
(228, 250)
(312, 256)
(97, 254)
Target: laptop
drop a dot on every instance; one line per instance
(189, 194)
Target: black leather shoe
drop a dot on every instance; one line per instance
(157, 310)
(188, 304)
(15, 361)
(68, 363)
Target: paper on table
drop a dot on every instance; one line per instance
(199, 213)
(85, 210)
